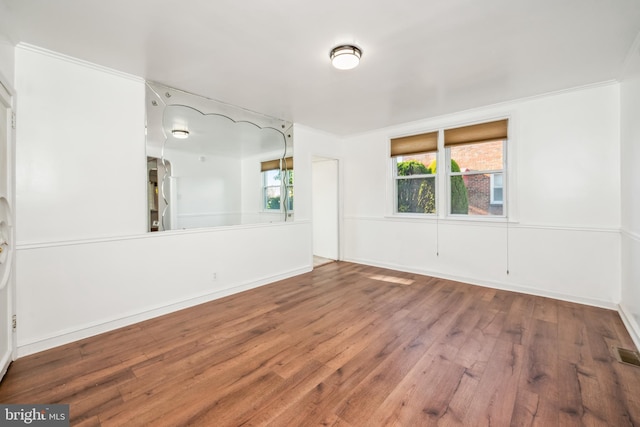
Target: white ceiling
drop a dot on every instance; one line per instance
(421, 58)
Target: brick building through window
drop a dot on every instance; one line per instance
(485, 191)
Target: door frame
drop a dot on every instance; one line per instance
(8, 101)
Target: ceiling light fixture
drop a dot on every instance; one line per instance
(180, 133)
(345, 57)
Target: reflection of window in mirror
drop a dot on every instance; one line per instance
(156, 173)
(274, 182)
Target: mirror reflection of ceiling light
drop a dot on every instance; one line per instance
(180, 133)
(345, 57)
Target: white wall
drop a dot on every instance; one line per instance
(563, 237)
(6, 61)
(207, 187)
(84, 261)
(7, 55)
(310, 143)
(630, 172)
(78, 166)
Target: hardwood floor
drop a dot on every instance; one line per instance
(347, 345)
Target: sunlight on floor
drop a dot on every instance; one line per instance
(392, 279)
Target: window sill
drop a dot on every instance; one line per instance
(487, 218)
(412, 216)
(478, 218)
(452, 219)
(275, 212)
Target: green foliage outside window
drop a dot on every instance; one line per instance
(415, 195)
(418, 195)
(273, 202)
(459, 195)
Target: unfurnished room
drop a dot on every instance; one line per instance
(410, 213)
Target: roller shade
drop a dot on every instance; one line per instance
(414, 144)
(288, 163)
(275, 164)
(483, 132)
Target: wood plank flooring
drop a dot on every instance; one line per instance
(347, 345)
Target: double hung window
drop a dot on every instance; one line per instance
(277, 185)
(414, 163)
(476, 156)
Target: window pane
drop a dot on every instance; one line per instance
(272, 178)
(497, 188)
(471, 195)
(272, 198)
(497, 195)
(478, 157)
(416, 195)
(417, 164)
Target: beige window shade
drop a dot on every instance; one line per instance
(414, 144)
(490, 131)
(275, 164)
(288, 163)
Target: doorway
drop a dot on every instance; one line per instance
(325, 206)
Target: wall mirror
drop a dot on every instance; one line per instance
(211, 164)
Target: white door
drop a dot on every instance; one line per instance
(7, 338)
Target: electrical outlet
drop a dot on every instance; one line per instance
(215, 276)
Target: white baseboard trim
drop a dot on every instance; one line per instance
(491, 284)
(66, 337)
(630, 323)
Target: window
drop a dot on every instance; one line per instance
(414, 164)
(274, 181)
(476, 155)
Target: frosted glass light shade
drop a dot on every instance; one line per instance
(345, 57)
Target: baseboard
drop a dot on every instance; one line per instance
(492, 284)
(66, 337)
(630, 323)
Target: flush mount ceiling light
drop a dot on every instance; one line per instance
(180, 133)
(345, 57)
